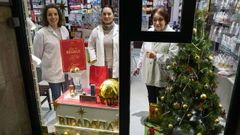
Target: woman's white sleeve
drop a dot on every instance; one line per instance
(92, 45)
(165, 58)
(141, 56)
(38, 45)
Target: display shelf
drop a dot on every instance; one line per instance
(224, 31)
(228, 51)
(83, 117)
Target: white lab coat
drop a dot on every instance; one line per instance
(46, 46)
(96, 48)
(154, 70)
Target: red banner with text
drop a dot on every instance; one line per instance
(73, 54)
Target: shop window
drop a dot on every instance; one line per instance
(132, 32)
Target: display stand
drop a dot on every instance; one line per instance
(84, 117)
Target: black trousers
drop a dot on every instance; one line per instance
(153, 93)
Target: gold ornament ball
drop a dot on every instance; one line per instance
(78, 134)
(185, 106)
(109, 89)
(210, 57)
(176, 105)
(196, 57)
(156, 109)
(65, 133)
(194, 30)
(220, 105)
(203, 96)
(216, 121)
(168, 67)
(199, 133)
(162, 98)
(210, 71)
(76, 69)
(206, 86)
(170, 125)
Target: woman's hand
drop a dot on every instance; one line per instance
(136, 71)
(151, 54)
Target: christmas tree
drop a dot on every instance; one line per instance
(189, 102)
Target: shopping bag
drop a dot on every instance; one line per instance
(98, 74)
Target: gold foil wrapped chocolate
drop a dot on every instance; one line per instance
(108, 92)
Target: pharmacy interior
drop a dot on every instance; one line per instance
(196, 100)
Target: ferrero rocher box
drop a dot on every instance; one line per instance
(76, 117)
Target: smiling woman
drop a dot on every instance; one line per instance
(46, 46)
(174, 15)
(103, 44)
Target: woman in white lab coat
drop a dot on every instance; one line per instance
(46, 46)
(155, 56)
(103, 44)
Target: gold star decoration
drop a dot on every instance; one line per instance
(81, 112)
(55, 104)
(62, 6)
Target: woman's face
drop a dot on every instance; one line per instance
(52, 17)
(107, 15)
(158, 22)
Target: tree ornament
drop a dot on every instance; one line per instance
(210, 71)
(151, 131)
(216, 121)
(206, 86)
(189, 115)
(203, 96)
(76, 69)
(170, 125)
(189, 69)
(185, 106)
(220, 105)
(194, 30)
(162, 98)
(154, 111)
(176, 105)
(197, 57)
(210, 57)
(65, 133)
(199, 133)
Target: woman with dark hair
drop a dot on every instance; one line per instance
(154, 57)
(103, 44)
(46, 46)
